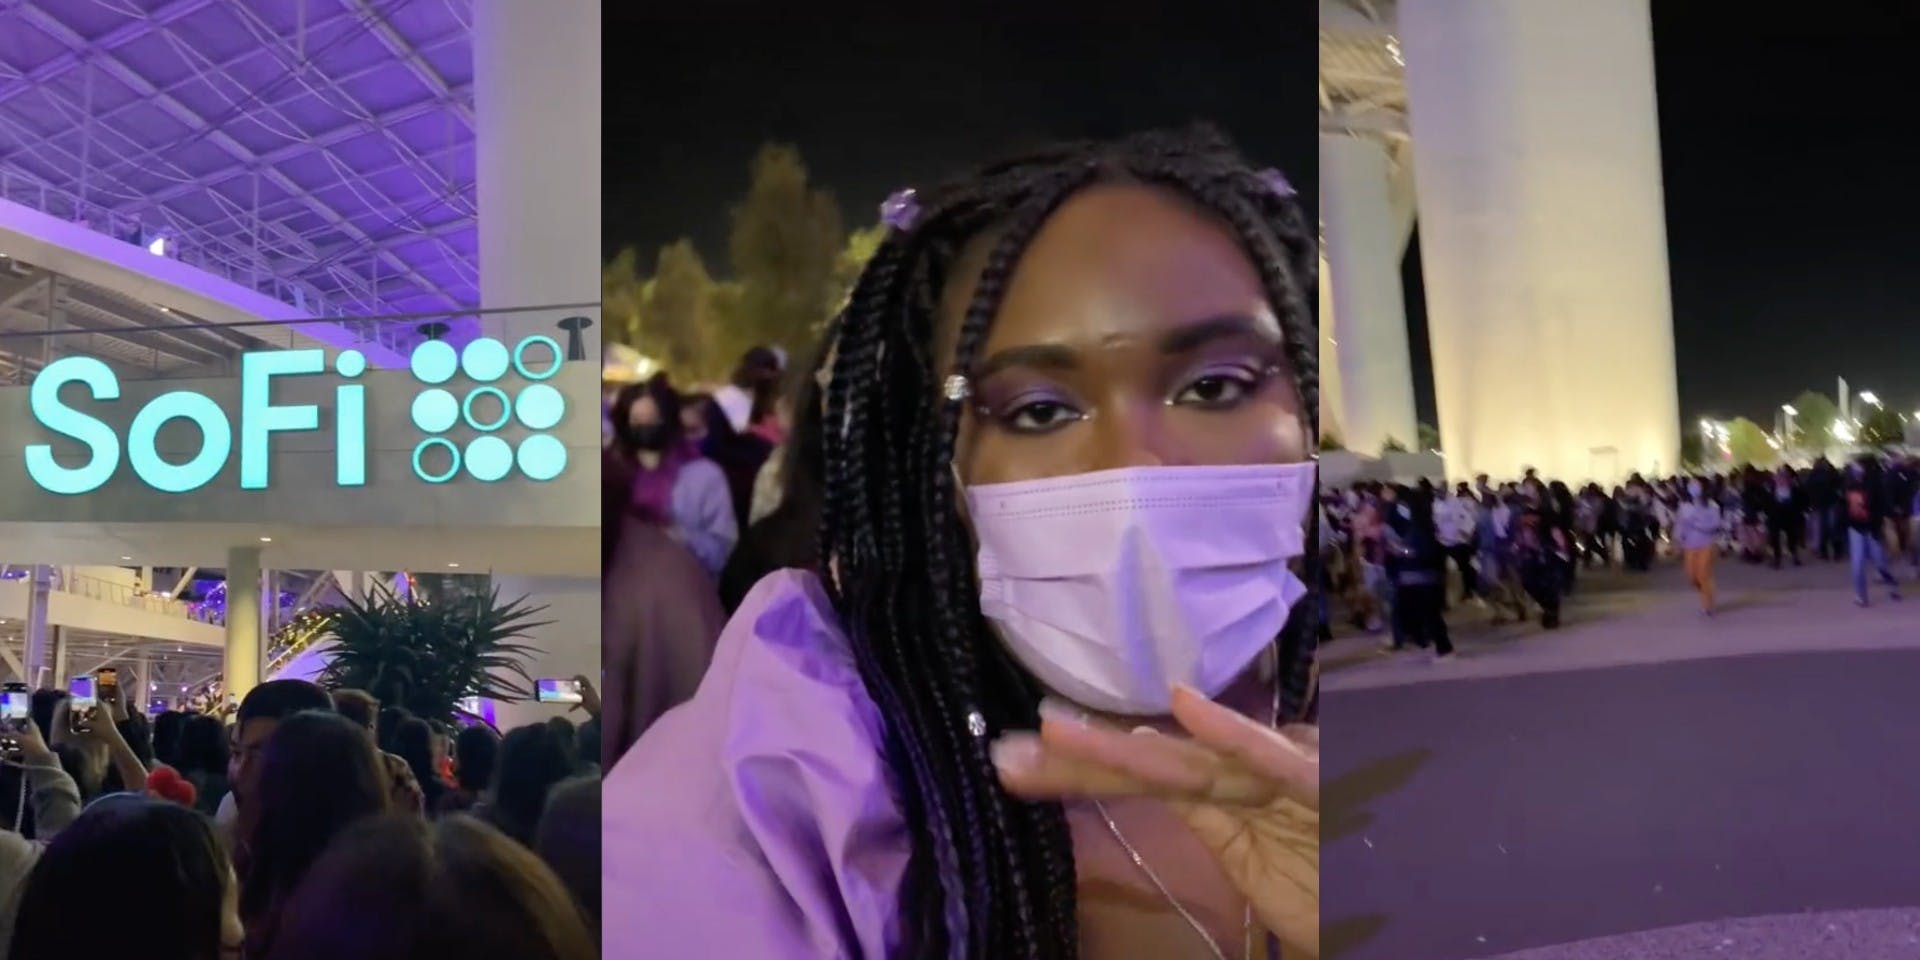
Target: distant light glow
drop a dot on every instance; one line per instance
(158, 247)
(1790, 411)
(1867, 396)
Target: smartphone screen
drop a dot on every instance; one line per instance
(81, 690)
(81, 704)
(16, 707)
(552, 690)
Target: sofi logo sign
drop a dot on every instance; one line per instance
(436, 411)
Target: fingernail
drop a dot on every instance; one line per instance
(1061, 711)
(1190, 689)
(1144, 729)
(1014, 754)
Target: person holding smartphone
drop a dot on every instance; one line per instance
(55, 802)
(94, 728)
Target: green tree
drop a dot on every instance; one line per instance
(1429, 437)
(853, 258)
(786, 243)
(731, 333)
(1882, 428)
(622, 298)
(1748, 443)
(1392, 445)
(1813, 419)
(675, 320)
(1693, 451)
(1330, 441)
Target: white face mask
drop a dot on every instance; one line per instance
(1110, 587)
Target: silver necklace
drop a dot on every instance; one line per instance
(1246, 923)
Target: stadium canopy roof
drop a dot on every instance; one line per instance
(320, 152)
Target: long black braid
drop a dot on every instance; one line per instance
(993, 876)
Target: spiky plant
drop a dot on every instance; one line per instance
(427, 655)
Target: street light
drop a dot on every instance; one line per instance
(1789, 410)
(1866, 396)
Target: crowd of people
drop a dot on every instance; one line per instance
(315, 824)
(1393, 554)
(704, 496)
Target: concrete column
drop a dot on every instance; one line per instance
(537, 162)
(1332, 391)
(61, 658)
(1364, 243)
(240, 671)
(142, 687)
(37, 648)
(1543, 234)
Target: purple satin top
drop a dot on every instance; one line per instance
(759, 819)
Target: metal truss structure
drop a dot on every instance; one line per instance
(1363, 88)
(318, 151)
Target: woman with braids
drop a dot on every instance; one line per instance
(1046, 700)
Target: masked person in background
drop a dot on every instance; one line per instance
(1043, 701)
(667, 482)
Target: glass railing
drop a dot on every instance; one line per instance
(109, 591)
(244, 265)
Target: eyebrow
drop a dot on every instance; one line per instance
(1224, 327)
(1043, 356)
(1059, 357)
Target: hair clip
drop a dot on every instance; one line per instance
(901, 210)
(957, 388)
(1276, 182)
(976, 724)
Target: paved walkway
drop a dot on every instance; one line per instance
(1644, 774)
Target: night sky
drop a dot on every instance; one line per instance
(880, 101)
(1793, 212)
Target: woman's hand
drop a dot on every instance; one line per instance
(589, 697)
(1250, 792)
(33, 747)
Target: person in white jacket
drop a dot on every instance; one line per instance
(1696, 531)
(55, 799)
(1455, 519)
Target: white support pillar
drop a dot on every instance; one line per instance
(39, 651)
(537, 161)
(1364, 243)
(142, 683)
(240, 671)
(62, 657)
(1332, 391)
(1543, 234)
